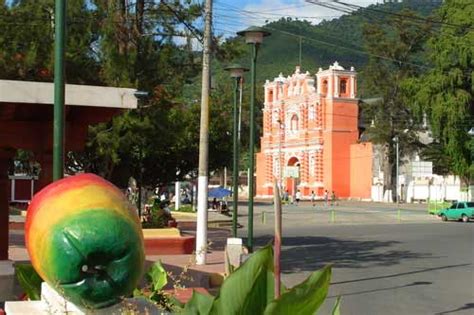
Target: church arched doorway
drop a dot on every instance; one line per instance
(292, 175)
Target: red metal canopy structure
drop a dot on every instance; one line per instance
(26, 122)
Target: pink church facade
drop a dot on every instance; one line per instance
(310, 136)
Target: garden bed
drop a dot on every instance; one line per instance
(168, 241)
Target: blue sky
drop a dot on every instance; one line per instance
(233, 15)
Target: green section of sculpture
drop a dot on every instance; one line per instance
(95, 258)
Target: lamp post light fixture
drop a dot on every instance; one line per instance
(236, 72)
(253, 35)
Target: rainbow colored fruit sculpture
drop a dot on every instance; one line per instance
(85, 240)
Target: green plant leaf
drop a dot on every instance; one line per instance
(29, 280)
(305, 298)
(337, 307)
(176, 303)
(137, 293)
(157, 275)
(199, 304)
(245, 291)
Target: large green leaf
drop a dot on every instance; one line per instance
(337, 307)
(199, 304)
(157, 275)
(245, 291)
(304, 298)
(29, 280)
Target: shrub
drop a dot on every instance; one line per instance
(157, 216)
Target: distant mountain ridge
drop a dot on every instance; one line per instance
(335, 40)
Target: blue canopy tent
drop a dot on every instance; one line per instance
(219, 192)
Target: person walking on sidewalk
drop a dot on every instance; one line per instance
(298, 197)
(313, 198)
(326, 198)
(333, 198)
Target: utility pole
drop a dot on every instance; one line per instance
(59, 89)
(201, 228)
(397, 170)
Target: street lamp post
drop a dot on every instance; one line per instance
(59, 88)
(396, 139)
(254, 36)
(236, 72)
(397, 168)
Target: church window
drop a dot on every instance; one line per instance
(312, 165)
(270, 95)
(343, 86)
(312, 112)
(294, 123)
(275, 116)
(325, 87)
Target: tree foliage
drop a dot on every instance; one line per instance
(445, 93)
(394, 49)
(27, 41)
(147, 45)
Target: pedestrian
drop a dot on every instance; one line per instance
(313, 198)
(215, 205)
(285, 196)
(298, 197)
(326, 198)
(333, 198)
(163, 196)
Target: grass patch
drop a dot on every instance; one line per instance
(436, 207)
(186, 208)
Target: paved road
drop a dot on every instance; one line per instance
(381, 266)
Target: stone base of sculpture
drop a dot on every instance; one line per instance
(7, 273)
(53, 303)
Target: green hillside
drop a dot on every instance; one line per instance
(336, 40)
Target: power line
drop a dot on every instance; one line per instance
(421, 19)
(354, 7)
(270, 15)
(358, 50)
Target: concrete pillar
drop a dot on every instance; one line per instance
(353, 91)
(177, 195)
(330, 86)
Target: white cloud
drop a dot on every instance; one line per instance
(271, 10)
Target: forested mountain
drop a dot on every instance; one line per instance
(335, 40)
